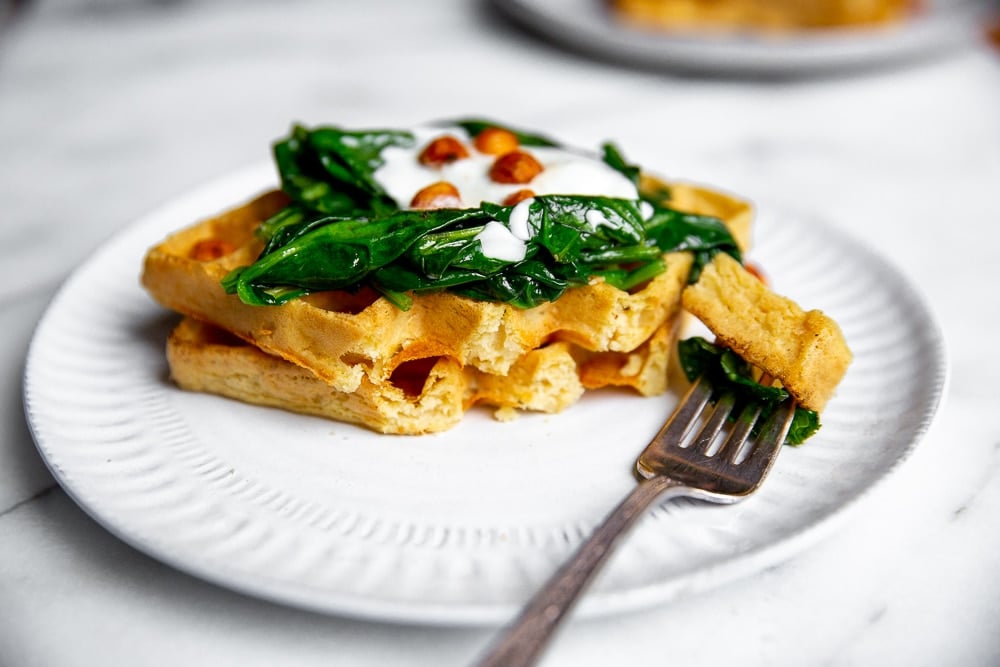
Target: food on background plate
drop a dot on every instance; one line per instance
(774, 16)
(399, 277)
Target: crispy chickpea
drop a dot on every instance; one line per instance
(441, 194)
(515, 167)
(443, 150)
(208, 250)
(494, 141)
(518, 196)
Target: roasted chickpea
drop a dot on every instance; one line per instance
(518, 196)
(443, 150)
(494, 141)
(515, 167)
(441, 194)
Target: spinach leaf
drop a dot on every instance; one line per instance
(614, 159)
(650, 190)
(569, 239)
(564, 248)
(475, 126)
(627, 279)
(333, 253)
(805, 423)
(669, 228)
(331, 171)
(570, 225)
(729, 373)
(702, 235)
(655, 192)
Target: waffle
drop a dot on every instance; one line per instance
(805, 350)
(346, 339)
(424, 396)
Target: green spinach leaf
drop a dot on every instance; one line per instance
(614, 159)
(702, 235)
(333, 253)
(729, 373)
(569, 239)
(331, 171)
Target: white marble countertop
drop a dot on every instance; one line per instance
(109, 108)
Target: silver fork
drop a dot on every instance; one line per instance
(710, 463)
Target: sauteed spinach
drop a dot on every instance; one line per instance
(342, 231)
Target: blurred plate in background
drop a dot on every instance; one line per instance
(588, 27)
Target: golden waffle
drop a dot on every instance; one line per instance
(346, 338)
(423, 396)
(805, 350)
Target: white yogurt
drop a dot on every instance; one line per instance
(519, 219)
(499, 243)
(402, 175)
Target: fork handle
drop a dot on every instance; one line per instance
(523, 641)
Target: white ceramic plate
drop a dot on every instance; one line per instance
(587, 26)
(459, 527)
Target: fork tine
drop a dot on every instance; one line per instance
(676, 427)
(733, 447)
(687, 412)
(771, 438)
(723, 407)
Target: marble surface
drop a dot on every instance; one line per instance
(108, 108)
